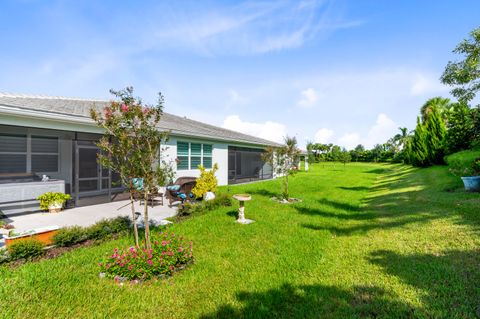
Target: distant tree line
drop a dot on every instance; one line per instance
(443, 126)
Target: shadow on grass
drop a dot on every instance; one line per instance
(451, 280)
(263, 192)
(354, 188)
(315, 301)
(402, 197)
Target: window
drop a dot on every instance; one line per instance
(13, 153)
(190, 155)
(44, 154)
(182, 155)
(207, 156)
(25, 153)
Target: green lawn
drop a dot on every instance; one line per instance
(369, 240)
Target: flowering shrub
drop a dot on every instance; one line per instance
(168, 253)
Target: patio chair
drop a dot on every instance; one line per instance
(153, 196)
(181, 190)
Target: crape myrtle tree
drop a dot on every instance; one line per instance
(283, 160)
(131, 146)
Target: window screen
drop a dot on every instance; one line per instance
(44, 154)
(13, 153)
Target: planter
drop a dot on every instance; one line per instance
(44, 235)
(472, 183)
(55, 207)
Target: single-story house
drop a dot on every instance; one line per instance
(54, 136)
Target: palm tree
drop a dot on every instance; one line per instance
(441, 103)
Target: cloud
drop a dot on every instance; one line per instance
(268, 130)
(425, 84)
(309, 98)
(350, 140)
(235, 99)
(324, 136)
(383, 129)
(251, 27)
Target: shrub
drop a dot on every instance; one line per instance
(207, 182)
(221, 200)
(465, 163)
(69, 236)
(25, 249)
(169, 252)
(52, 197)
(105, 228)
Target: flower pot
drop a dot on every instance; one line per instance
(472, 183)
(55, 207)
(209, 196)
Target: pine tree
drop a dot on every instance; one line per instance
(435, 132)
(418, 146)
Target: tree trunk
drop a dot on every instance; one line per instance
(286, 187)
(145, 219)
(135, 228)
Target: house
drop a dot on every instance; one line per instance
(54, 136)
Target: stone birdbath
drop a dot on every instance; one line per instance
(242, 198)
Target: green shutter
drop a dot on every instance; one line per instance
(182, 149)
(196, 149)
(207, 156)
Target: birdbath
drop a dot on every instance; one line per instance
(242, 198)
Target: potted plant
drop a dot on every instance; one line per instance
(5, 228)
(206, 185)
(53, 201)
(469, 173)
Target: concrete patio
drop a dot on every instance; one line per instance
(87, 215)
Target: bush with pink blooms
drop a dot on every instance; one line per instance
(169, 253)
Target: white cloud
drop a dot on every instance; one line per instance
(349, 140)
(383, 129)
(252, 27)
(268, 130)
(324, 135)
(425, 84)
(235, 99)
(309, 98)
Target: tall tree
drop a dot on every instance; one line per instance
(435, 131)
(460, 133)
(464, 75)
(131, 144)
(418, 150)
(440, 103)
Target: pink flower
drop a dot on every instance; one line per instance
(150, 262)
(132, 249)
(155, 243)
(124, 108)
(171, 267)
(146, 110)
(164, 242)
(115, 250)
(107, 265)
(100, 264)
(180, 249)
(130, 268)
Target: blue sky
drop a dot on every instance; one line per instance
(345, 72)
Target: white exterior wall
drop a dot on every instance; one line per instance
(219, 156)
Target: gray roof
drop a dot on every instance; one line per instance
(80, 108)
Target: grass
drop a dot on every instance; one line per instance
(370, 240)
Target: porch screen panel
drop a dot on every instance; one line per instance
(182, 155)
(13, 153)
(44, 154)
(196, 155)
(207, 156)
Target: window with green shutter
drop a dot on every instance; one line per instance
(195, 155)
(207, 156)
(182, 155)
(190, 155)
